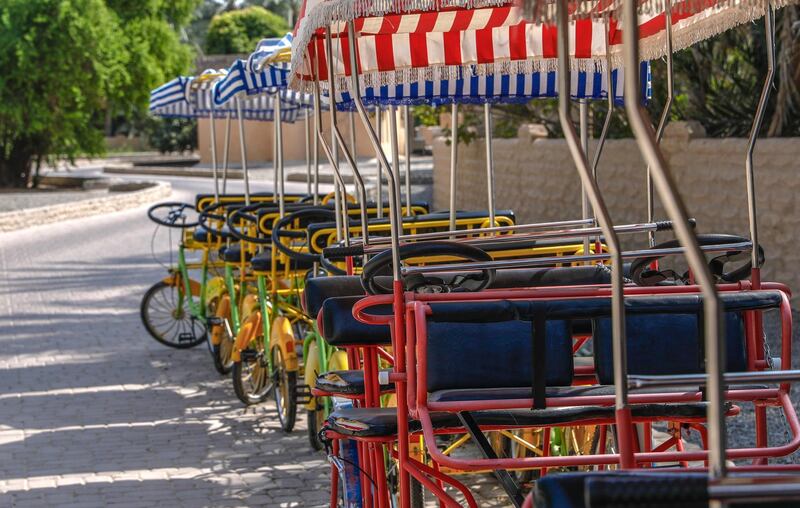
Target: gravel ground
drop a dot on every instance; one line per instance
(10, 201)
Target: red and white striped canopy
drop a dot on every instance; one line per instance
(408, 41)
(435, 45)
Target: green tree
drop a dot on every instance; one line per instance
(70, 65)
(239, 31)
(62, 61)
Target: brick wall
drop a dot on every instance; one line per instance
(537, 179)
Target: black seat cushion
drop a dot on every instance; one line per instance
(382, 422)
(319, 289)
(493, 355)
(345, 382)
(233, 254)
(263, 263)
(666, 344)
(520, 392)
(202, 234)
(340, 328)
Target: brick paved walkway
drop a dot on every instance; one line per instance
(95, 413)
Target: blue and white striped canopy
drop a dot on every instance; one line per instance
(180, 99)
(239, 81)
(266, 50)
(480, 89)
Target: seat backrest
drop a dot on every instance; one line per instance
(661, 344)
(319, 289)
(494, 355)
(340, 328)
(321, 233)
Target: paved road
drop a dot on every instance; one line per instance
(94, 413)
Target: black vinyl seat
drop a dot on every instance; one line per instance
(382, 422)
(203, 235)
(233, 254)
(633, 489)
(263, 263)
(345, 382)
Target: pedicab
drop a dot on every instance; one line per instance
(611, 306)
(169, 311)
(397, 90)
(175, 310)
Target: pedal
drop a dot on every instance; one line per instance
(185, 337)
(214, 321)
(249, 355)
(303, 394)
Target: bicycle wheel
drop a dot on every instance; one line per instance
(251, 379)
(168, 323)
(284, 389)
(315, 419)
(221, 338)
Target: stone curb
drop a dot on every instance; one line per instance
(115, 202)
(129, 169)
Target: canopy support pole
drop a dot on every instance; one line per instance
(226, 153)
(317, 128)
(395, 160)
(601, 212)
(379, 153)
(379, 189)
(243, 146)
(662, 122)
(279, 155)
(338, 138)
(213, 129)
(676, 211)
(332, 158)
(769, 21)
(453, 162)
(409, 127)
(583, 105)
(487, 114)
(308, 155)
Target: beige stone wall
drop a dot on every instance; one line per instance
(258, 138)
(537, 179)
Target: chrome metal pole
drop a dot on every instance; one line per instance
(317, 128)
(330, 154)
(601, 141)
(338, 138)
(453, 163)
(279, 155)
(676, 210)
(487, 115)
(226, 153)
(600, 212)
(395, 158)
(394, 206)
(353, 141)
(379, 188)
(769, 21)
(308, 154)
(243, 146)
(213, 128)
(409, 124)
(662, 122)
(583, 105)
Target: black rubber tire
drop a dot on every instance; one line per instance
(222, 365)
(286, 381)
(314, 426)
(417, 497)
(146, 310)
(242, 393)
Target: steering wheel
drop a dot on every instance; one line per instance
(642, 275)
(240, 217)
(174, 216)
(381, 266)
(281, 230)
